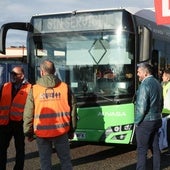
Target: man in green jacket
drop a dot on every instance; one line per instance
(34, 122)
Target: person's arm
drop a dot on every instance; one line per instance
(73, 106)
(141, 104)
(28, 116)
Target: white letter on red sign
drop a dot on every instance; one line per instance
(165, 8)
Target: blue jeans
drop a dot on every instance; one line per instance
(61, 144)
(147, 138)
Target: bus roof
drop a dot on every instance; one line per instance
(132, 10)
(78, 11)
(148, 13)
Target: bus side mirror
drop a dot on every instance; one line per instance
(14, 25)
(144, 43)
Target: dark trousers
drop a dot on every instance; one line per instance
(13, 129)
(147, 138)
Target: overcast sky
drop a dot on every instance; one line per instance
(22, 10)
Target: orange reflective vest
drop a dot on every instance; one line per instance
(52, 111)
(12, 109)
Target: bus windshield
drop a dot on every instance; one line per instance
(100, 63)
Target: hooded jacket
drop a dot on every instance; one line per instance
(47, 81)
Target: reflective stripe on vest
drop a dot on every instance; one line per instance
(4, 108)
(51, 115)
(4, 119)
(52, 127)
(18, 105)
(52, 111)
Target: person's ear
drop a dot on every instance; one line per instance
(22, 77)
(41, 73)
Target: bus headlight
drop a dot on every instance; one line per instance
(122, 128)
(116, 128)
(127, 127)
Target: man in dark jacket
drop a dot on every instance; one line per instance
(50, 114)
(148, 116)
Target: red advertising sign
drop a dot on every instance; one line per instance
(162, 11)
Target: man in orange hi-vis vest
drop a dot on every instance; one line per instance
(12, 101)
(50, 115)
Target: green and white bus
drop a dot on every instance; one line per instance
(96, 53)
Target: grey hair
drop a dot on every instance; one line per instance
(146, 67)
(47, 66)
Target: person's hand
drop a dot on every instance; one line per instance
(30, 139)
(30, 136)
(71, 135)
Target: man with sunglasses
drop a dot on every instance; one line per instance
(12, 101)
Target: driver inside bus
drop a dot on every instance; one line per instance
(105, 72)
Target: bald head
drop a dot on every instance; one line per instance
(18, 70)
(47, 67)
